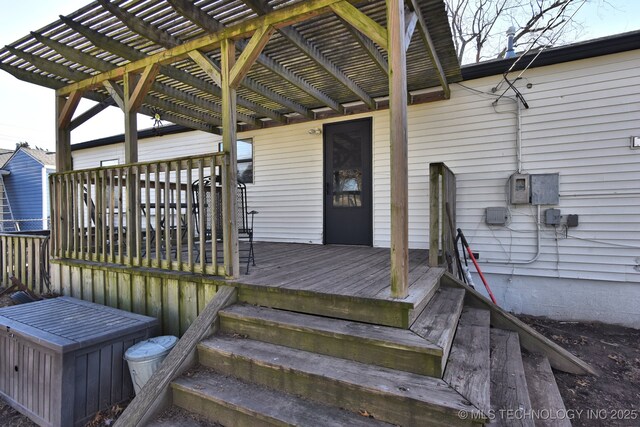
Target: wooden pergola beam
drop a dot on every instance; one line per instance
(361, 22)
(91, 112)
(278, 18)
(430, 46)
(131, 54)
(249, 55)
(262, 8)
(169, 107)
(115, 92)
(50, 66)
(66, 113)
(33, 78)
(410, 21)
(207, 65)
(369, 47)
(142, 87)
(201, 121)
(192, 100)
(210, 24)
(157, 36)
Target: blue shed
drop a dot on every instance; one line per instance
(25, 175)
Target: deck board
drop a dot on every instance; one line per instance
(355, 271)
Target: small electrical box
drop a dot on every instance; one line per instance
(572, 220)
(552, 217)
(496, 215)
(519, 188)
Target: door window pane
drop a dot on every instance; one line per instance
(347, 170)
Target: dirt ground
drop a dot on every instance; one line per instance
(611, 399)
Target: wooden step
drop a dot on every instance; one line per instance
(175, 416)
(393, 396)
(438, 321)
(509, 392)
(543, 391)
(468, 368)
(368, 305)
(232, 402)
(393, 348)
(368, 310)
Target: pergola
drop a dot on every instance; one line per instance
(223, 66)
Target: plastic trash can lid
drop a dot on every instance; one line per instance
(150, 349)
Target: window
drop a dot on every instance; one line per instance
(245, 160)
(110, 162)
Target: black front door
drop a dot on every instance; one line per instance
(347, 181)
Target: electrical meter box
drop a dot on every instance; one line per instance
(519, 188)
(545, 189)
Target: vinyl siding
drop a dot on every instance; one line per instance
(581, 116)
(24, 189)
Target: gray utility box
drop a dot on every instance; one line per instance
(61, 359)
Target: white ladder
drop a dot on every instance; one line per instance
(7, 222)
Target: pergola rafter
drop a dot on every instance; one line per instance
(101, 65)
(209, 24)
(138, 26)
(195, 63)
(124, 51)
(209, 122)
(262, 7)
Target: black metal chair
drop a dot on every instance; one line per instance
(244, 217)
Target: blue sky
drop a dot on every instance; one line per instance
(27, 111)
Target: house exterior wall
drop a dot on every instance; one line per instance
(24, 190)
(581, 117)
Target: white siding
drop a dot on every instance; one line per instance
(155, 148)
(579, 122)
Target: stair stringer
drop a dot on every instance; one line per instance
(530, 339)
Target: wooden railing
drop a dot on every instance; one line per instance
(442, 193)
(25, 256)
(154, 214)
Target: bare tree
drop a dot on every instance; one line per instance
(479, 26)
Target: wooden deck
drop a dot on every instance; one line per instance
(351, 271)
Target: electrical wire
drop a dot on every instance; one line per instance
(504, 76)
(478, 91)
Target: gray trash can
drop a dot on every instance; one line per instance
(144, 358)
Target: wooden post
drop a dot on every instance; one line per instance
(434, 213)
(63, 138)
(130, 121)
(65, 106)
(229, 170)
(398, 141)
(135, 89)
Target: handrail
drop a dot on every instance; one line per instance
(138, 214)
(442, 191)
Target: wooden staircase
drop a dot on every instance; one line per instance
(273, 362)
